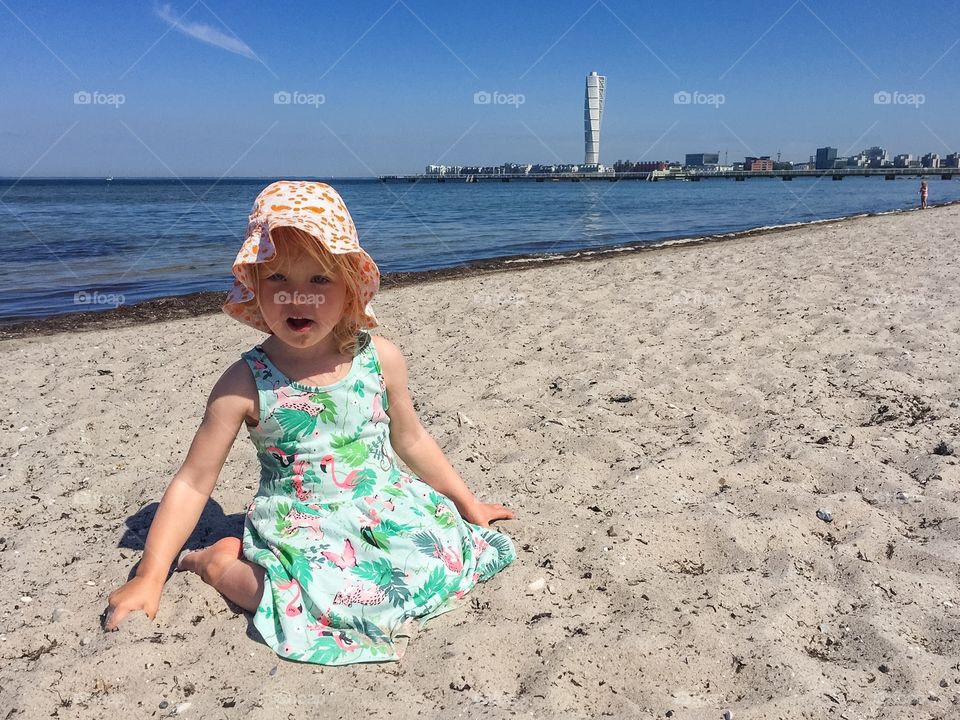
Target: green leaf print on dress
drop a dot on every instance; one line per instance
(350, 449)
(355, 548)
(366, 480)
(385, 576)
(434, 585)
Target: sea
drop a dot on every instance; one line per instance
(82, 245)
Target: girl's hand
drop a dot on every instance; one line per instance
(483, 514)
(140, 593)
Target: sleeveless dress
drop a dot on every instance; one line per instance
(355, 550)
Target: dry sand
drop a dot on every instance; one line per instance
(666, 425)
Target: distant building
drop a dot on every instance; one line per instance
(854, 161)
(758, 164)
(876, 157)
(593, 97)
(702, 159)
(930, 160)
(625, 166)
(951, 161)
(826, 156)
(902, 161)
(651, 165)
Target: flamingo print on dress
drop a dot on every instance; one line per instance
(322, 629)
(450, 558)
(431, 545)
(348, 483)
(378, 414)
(322, 623)
(299, 469)
(291, 610)
(281, 457)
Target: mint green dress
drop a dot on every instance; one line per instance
(355, 549)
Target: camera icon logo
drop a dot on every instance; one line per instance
(282, 97)
(682, 97)
(82, 97)
(482, 97)
(882, 97)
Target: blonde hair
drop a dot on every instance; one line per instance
(292, 242)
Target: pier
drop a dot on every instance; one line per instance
(887, 173)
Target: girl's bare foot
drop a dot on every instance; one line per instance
(223, 567)
(202, 561)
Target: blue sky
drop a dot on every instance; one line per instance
(397, 81)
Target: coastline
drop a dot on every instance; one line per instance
(202, 303)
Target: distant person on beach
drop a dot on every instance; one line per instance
(923, 194)
(342, 551)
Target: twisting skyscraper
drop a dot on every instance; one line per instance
(592, 115)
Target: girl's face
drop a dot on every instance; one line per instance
(301, 302)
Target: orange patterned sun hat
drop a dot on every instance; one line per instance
(313, 207)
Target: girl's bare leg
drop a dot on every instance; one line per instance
(223, 567)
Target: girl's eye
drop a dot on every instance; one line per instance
(276, 277)
(320, 279)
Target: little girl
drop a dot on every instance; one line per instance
(342, 551)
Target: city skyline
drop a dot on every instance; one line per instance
(211, 90)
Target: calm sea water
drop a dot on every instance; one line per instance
(76, 245)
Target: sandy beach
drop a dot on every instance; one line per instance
(666, 426)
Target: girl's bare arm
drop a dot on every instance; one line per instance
(231, 400)
(418, 449)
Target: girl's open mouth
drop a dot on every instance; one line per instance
(299, 324)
